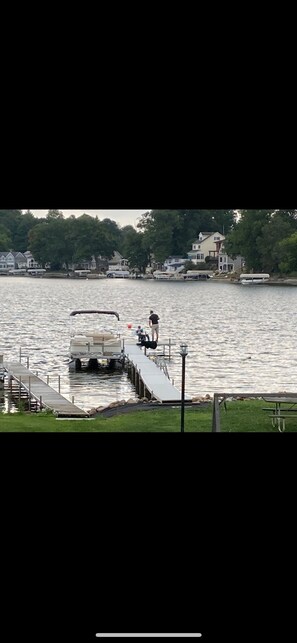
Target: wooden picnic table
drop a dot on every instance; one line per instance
(278, 415)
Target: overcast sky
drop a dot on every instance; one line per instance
(121, 217)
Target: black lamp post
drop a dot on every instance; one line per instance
(183, 353)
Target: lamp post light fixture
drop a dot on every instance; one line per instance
(183, 353)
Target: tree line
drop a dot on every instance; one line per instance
(267, 239)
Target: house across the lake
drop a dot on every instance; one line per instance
(208, 244)
(174, 263)
(13, 261)
(211, 245)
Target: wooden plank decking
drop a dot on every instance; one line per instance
(37, 388)
(154, 380)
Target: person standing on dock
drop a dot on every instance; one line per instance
(154, 324)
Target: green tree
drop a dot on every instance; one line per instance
(246, 237)
(5, 239)
(134, 249)
(49, 242)
(280, 226)
(10, 219)
(288, 254)
(54, 214)
(81, 235)
(38, 243)
(21, 234)
(160, 227)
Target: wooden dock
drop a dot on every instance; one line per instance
(147, 377)
(38, 390)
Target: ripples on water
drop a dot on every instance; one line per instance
(239, 338)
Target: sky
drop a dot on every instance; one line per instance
(121, 217)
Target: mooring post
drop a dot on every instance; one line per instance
(28, 362)
(47, 379)
(140, 383)
(20, 354)
(59, 383)
(169, 348)
(40, 402)
(216, 428)
(72, 399)
(20, 390)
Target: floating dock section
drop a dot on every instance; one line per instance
(148, 379)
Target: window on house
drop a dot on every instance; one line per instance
(221, 259)
(200, 256)
(217, 238)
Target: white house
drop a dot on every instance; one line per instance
(225, 263)
(118, 262)
(12, 260)
(174, 263)
(17, 261)
(208, 244)
(30, 261)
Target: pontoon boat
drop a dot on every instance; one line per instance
(93, 347)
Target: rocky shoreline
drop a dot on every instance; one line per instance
(142, 404)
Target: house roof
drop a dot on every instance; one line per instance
(206, 235)
(13, 253)
(177, 257)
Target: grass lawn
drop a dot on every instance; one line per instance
(241, 416)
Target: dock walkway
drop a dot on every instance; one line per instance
(42, 392)
(152, 378)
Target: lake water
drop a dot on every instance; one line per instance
(239, 338)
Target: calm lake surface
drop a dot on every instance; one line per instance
(239, 338)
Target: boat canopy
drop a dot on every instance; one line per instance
(255, 275)
(99, 312)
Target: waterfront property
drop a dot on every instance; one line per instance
(208, 244)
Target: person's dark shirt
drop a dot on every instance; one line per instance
(154, 318)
